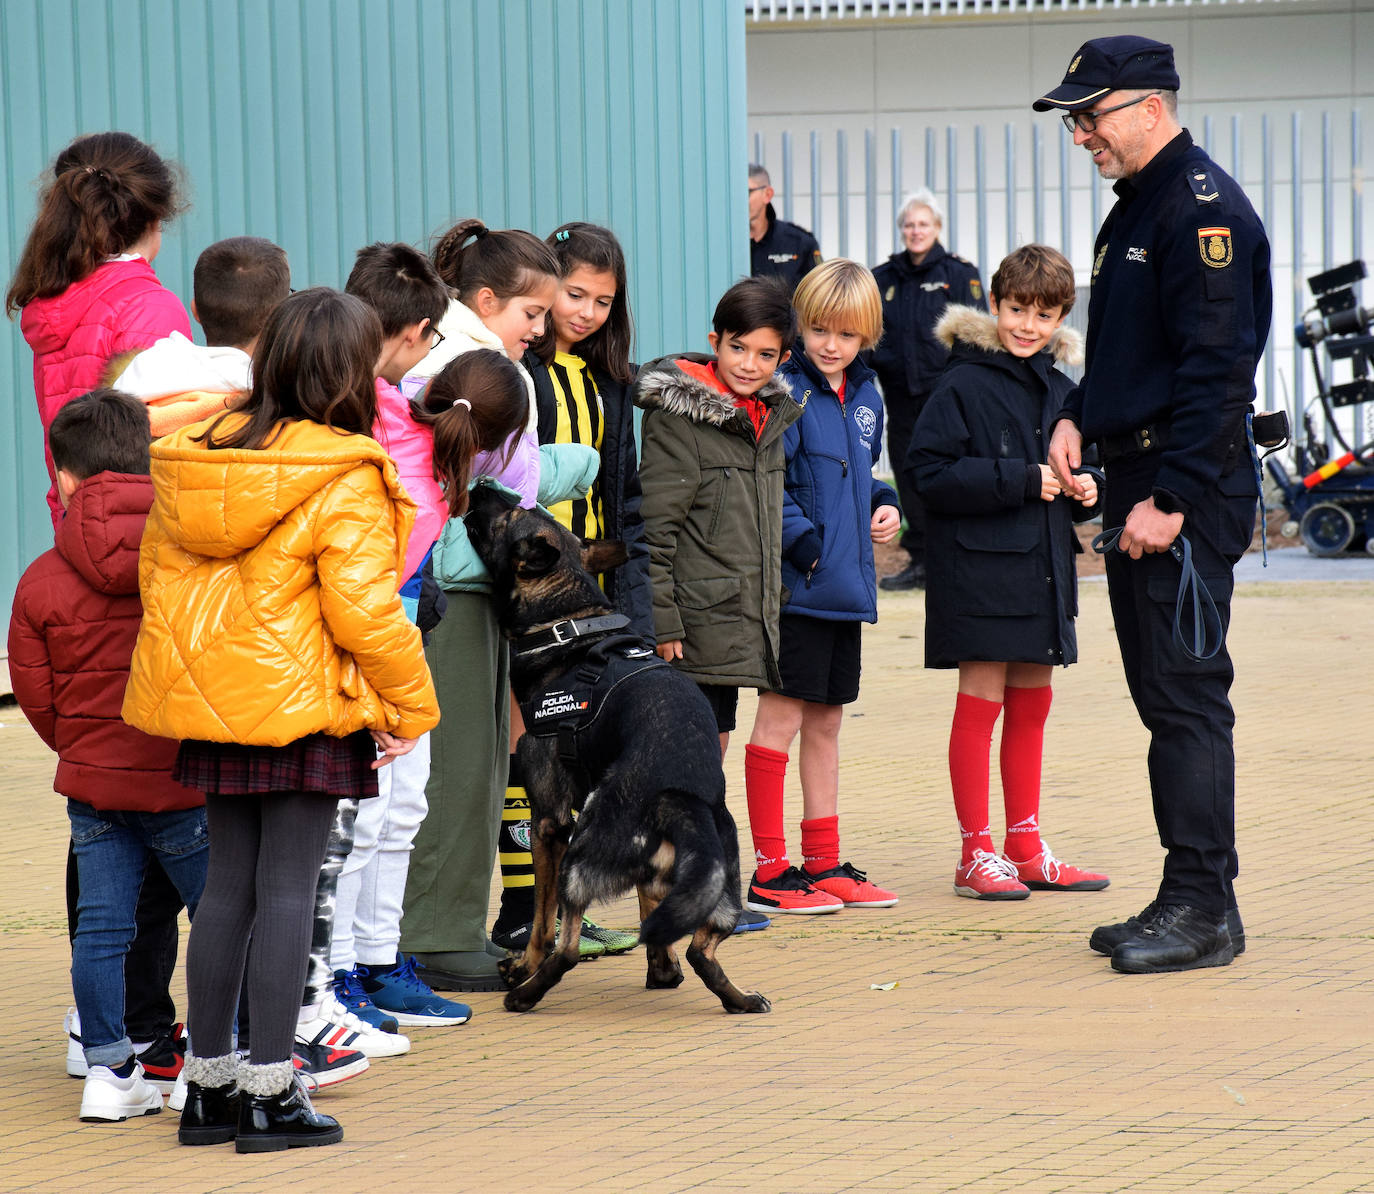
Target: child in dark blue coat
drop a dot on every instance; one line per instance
(1001, 589)
(833, 512)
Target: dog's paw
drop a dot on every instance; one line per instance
(512, 970)
(753, 1002)
(517, 1002)
(663, 978)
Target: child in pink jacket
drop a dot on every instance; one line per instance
(85, 281)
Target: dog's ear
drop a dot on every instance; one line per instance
(535, 555)
(601, 555)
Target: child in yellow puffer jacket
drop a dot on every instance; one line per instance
(275, 645)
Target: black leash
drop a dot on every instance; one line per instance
(1191, 592)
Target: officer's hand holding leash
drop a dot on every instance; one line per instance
(1148, 530)
(1065, 455)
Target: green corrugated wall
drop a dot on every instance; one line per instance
(327, 124)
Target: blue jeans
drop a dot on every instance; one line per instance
(113, 851)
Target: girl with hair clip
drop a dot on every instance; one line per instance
(85, 279)
(505, 282)
(271, 560)
(475, 406)
(582, 377)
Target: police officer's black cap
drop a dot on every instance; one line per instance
(1125, 63)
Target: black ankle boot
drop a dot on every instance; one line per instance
(1180, 937)
(211, 1114)
(1106, 938)
(270, 1123)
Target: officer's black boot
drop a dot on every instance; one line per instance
(1106, 938)
(1179, 937)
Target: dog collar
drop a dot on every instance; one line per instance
(566, 631)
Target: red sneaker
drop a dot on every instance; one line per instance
(791, 891)
(1045, 872)
(988, 877)
(851, 887)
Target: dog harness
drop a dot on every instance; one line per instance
(569, 706)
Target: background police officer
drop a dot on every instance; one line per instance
(780, 249)
(1177, 320)
(917, 284)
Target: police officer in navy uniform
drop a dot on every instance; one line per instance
(1177, 319)
(779, 249)
(916, 285)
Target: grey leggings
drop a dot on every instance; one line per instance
(265, 856)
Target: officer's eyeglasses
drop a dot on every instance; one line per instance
(1087, 121)
(764, 187)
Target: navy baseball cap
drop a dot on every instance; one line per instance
(1125, 63)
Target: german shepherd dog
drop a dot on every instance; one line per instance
(646, 785)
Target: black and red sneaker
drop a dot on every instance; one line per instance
(162, 1060)
(327, 1065)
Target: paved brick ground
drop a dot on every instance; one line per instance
(1007, 1057)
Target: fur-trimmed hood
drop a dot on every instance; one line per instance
(666, 385)
(978, 329)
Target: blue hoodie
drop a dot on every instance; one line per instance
(830, 494)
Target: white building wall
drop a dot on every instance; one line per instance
(1312, 58)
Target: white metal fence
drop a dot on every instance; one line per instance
(1001, 189)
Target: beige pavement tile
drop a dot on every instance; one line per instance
(1009, 1057)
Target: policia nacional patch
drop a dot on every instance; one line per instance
(1214, 246)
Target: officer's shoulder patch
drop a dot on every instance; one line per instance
(1203, 188)
(976, 288)
(1214, 247)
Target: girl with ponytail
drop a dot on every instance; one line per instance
(85, 280)
(504, 282)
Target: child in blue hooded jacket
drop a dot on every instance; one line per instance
(834, 510)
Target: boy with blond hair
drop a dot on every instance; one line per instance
(834, 510)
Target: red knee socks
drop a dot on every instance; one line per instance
(970, 747)
(1023, 744)
(764, 770)
(820, 844)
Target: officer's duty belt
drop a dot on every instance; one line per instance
(1132, 443)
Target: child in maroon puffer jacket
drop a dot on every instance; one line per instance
(75, 618)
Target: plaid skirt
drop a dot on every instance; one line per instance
(316, 763)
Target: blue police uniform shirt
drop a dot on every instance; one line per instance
(1178, 316)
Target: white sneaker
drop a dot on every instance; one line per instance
(176, 1101)
(338, 1028)
(76, 1055)
(108, 1098)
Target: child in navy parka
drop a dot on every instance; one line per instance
(1001, 591)
(833, 512)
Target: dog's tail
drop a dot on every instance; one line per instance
(700, 874)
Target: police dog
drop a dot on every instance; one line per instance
(645, 777)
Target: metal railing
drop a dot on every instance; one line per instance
(1306, 180)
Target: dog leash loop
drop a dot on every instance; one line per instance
(1192, 595)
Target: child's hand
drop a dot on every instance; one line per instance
(1089, 486)
(670, 650)
(392, 746)
(1049, 484)
(887, 521)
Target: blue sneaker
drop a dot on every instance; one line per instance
(348, 990)
(751, 922)
(400, 992)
